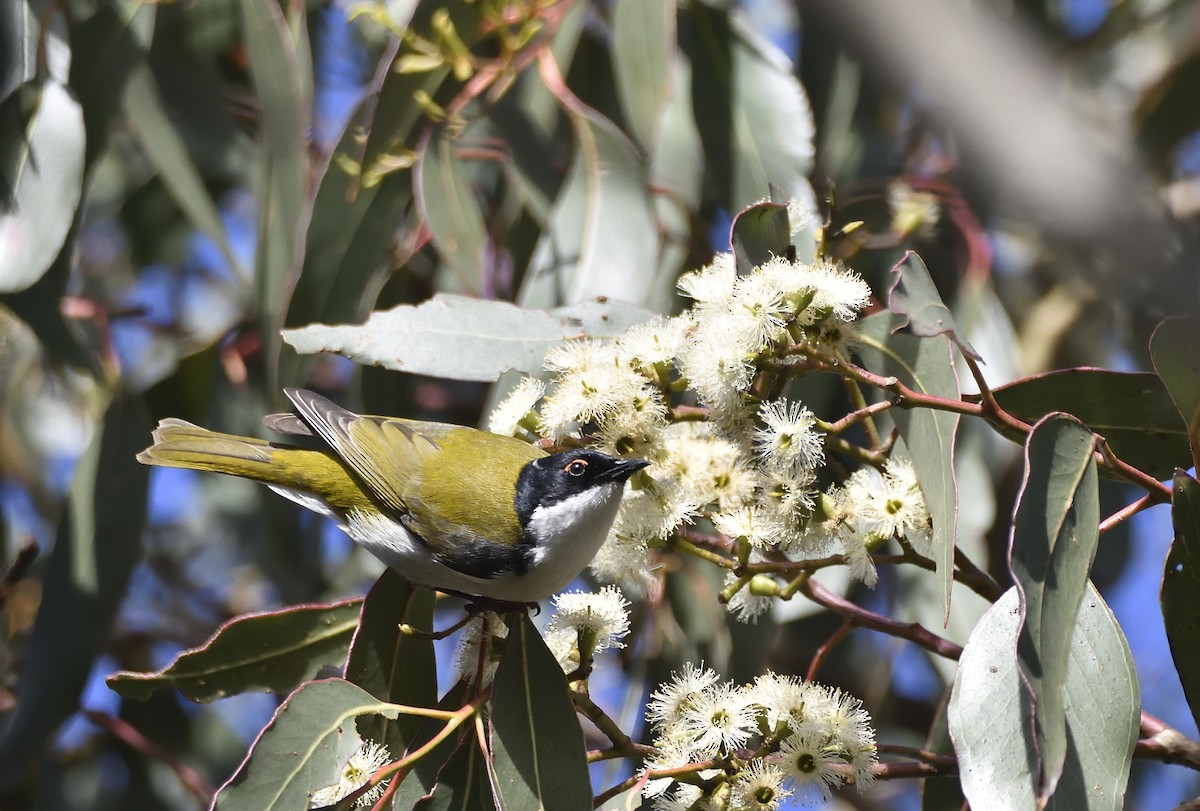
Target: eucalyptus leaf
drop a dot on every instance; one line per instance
(99, 541)
(1175, 348)
(1131, 410)
(991, 713)
(1181, 587)
(447, 205)
(914, 296)
(539, 756)
(1054, 539)
(759, 233)
(643, 45)
(302, 749)
(464, 338)
(925, 365)
(43, 191)
(269, 652)
(390, 664)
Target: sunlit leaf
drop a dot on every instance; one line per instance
(43, 190)
(760, 232)
(463, 338)
(303, 748)
(925, 365)
(539, 757)
(643, 42)
(271, 652)
(1053, 543)
(914, 296)
(1132, 410)
(448, 206)
(1181, 587)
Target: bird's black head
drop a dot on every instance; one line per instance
(559, 476)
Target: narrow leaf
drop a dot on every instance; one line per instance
(914, 296)
(464, 338)
(1181, 587)
(540, 760)
(1175, 348)
(926, 365)
(447, 204)
(1133, 411)
(99, 541)
(43, 191)
(271, 652)
(1054, 540)
(303, 748)
(391, 665)
(643, 40)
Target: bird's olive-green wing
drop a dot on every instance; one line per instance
(410, 466)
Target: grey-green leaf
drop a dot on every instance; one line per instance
(914, 295)
(1181, 587)
(1175, 348)
(1055, 534)
(991, 717)
(447, 204)
(926, 365)
(464, 338)
(303, 748)
(760, 232)
(271, 652)
(47, 181)
(539, 757)
(643, 42)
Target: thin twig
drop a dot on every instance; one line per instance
(125, 732)
(827, 647)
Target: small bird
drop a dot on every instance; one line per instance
(449, 507)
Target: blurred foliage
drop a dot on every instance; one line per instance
(181, 181)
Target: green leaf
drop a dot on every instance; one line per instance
(447, 205)
(462, 782)
(390, 665)
(1054, 539)
(303, 748)
(99, 541)
(602, 235)
(464, 338)
(1181, 587)
(1175, 348)
(539, 757)
(1133, 411)
(991, 715)
(925, 365)
(760, 232)
(271, 652)
(43, 185)
(643, 41)
(914, 296)
(275, 70)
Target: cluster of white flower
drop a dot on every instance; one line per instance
(478, 655)
(587, 623)
(748, 465)
(774, 737)
(369, 758)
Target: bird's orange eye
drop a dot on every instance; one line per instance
(575, 467)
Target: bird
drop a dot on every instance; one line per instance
(453, 508)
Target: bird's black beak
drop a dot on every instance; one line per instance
(621, 471)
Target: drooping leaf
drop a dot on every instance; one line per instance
(1175, 348)
(925, 365)
(539, 757)
(1054, 539)
(448, 206)
(991, 717)
(643, 42)
(464, 338)
(42, 184)
(270, 652)
(602, 235)
(760, 232)
(1181, 587)
(462, 781)
(391, 665)
(303, 748)
(914, 296)
(99, 541)
(1133, 411)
